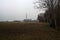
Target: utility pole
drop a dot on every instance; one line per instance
(26, 15)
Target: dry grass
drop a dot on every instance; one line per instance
(26, 31)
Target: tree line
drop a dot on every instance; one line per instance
(52, 13)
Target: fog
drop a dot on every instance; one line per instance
(17, 10)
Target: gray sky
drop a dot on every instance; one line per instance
(17, 9)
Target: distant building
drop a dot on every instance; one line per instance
(27, 20)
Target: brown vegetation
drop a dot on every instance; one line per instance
(26, 31)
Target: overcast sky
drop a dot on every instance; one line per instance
(17, 9)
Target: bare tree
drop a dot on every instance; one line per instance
(52, 11)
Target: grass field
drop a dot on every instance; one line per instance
(26, 31)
